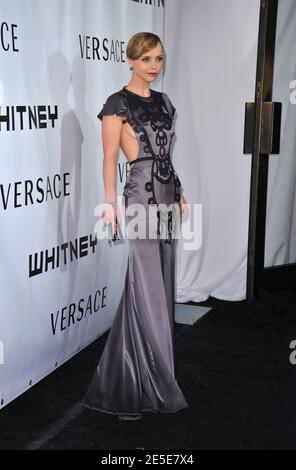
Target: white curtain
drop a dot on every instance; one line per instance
(211, 51)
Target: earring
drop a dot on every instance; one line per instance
(131, 68)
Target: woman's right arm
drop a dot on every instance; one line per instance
(111, 130)
(111, 115)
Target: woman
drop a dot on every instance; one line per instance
(136, 371)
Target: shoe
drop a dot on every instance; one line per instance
(125, 417)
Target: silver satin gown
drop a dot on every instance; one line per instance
(136, 371)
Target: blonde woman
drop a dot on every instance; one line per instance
(136, 372)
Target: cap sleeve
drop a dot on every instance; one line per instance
(169, 104)
(115, 104)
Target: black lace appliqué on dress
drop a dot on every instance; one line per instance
(152, 120)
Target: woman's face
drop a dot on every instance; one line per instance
(149, 64)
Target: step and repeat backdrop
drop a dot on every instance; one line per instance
(60, 285)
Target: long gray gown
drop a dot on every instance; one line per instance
(136, 371)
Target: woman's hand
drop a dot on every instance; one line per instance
(111, 215)
(183, 205)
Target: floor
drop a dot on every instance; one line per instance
(232, 365)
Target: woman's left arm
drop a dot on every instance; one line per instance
(183, 205)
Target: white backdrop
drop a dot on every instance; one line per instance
(210, 74)
(60, 60)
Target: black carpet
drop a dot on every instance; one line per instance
(233, 367)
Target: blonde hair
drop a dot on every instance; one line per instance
(140, 43)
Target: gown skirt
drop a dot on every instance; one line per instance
(136, 372)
